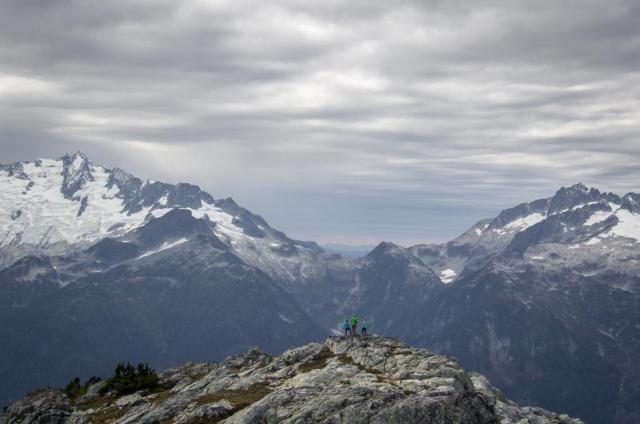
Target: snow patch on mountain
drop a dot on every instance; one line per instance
(225, 228)
(592, 241)
(525, 222)
(480, 229)
(447, 276)
(628, 225)
(518, 224)
(164, 246)
(286, 319)
(597, 217)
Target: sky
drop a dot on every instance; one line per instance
(338, 121)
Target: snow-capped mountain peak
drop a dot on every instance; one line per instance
(59, 206)
(567, 198)
(577, 224)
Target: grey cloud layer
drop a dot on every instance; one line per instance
(337, 120)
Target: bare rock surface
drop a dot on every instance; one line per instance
(341, 380)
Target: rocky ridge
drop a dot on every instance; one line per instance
(341, 380)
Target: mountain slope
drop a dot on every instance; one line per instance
(342, 380)
(544, 301)
(165, 292)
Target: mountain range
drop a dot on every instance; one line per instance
(98, 266)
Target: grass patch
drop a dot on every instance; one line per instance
(387, 380)
(93, 403)
(380, 376)
(205, 420)
(159, 398)
(372, 371)
(501, 397)
(162, 388)
(347, 360)
(107, 415)
(317, 362)
(239, 398)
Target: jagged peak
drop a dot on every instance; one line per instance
(227, 202)
(76, 172)
(631, 202)
(72, 157)
(577, 194)
(578, 188)
(582, 187)
(121, 175)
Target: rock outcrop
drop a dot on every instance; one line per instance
(341, 380)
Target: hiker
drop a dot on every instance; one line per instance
(354, 325)
(365, 325)
(347, 327)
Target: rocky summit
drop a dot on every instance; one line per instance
(341, 380)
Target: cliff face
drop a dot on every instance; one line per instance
(341, 380)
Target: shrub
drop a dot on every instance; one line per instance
(74, 389)
(129, 378)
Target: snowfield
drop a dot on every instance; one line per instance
(57, 207)
(447, 276)
(47, 217)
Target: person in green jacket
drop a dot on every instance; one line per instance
(365, 325)
(354, 325)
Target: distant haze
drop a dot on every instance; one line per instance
(348, 250)
(343, 122)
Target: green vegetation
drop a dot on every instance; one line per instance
(107, 415)
(161, 392)
(238, 398)
(74, 389)
(347, 360)
(318, 361)
(129, 378)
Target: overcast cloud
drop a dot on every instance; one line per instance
(338, 121)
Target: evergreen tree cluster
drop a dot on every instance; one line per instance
(75, 388)
(130, 378)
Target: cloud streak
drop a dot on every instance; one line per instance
(338, 121)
